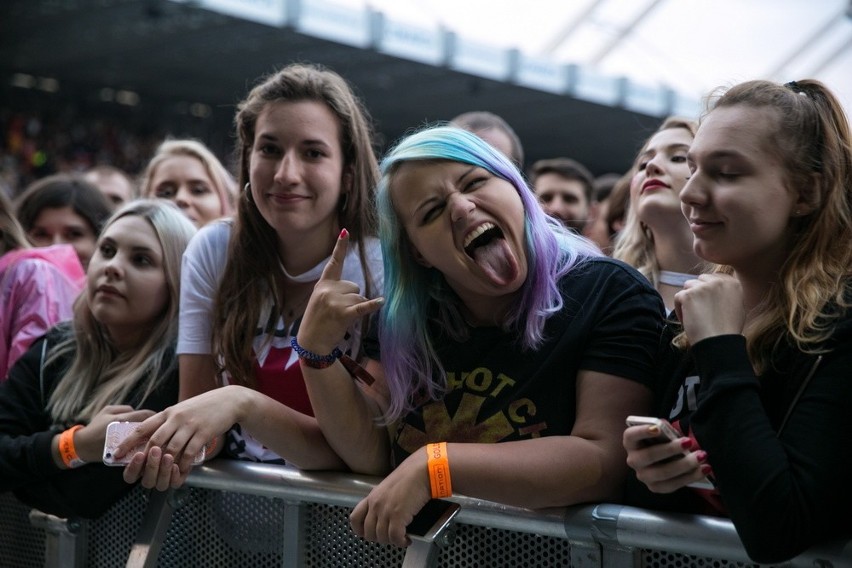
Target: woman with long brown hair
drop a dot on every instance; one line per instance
(308, 170)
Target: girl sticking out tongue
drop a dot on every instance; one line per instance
(505, 339)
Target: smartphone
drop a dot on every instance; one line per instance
(667, 433)
(116, 433)
(433, 519)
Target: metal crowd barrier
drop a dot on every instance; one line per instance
(234, 514)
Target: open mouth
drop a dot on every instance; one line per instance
(481, 236)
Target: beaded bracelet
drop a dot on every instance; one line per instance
(313, 360)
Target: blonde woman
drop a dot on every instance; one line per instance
(656, 239)
(114, 361)
(188, 173)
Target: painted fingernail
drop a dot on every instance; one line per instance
(686, 444)
(701, 456)
(343, 233)
(706, 469)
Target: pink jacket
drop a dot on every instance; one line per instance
(38, 287)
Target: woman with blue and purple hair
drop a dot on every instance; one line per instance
(497, 325)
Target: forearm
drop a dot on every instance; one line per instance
(292, 435)
(787, 492)
(543, 472)
(348, 419)
(24, 459)
(588, 465)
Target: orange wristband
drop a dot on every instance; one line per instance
(211, 446)
(67, 451)
(439, 470)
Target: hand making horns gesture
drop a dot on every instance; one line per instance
(334, 304)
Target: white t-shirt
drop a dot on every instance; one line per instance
(277, 370)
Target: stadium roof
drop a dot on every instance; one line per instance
(691, 46)
(580, 79)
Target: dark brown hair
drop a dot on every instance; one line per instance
(59, 191)
(251, 273)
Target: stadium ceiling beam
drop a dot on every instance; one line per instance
(626, 30)
(841, 50)
(807, 44)
(569, 29)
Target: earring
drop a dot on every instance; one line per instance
(344, 201)
(247, 193)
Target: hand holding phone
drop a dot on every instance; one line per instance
(667, 434)
(432, 520)
(667, 431)
(117, 432)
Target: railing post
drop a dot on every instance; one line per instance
(158, 516)
(424, 553)
(293, 553)
(605, 533)
(65, 542)
(620, 557)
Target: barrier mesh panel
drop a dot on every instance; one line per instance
(225, 529)
(331, 544)
(111, 536)
(663, 559)
(21, 544)
(236, 530)
(475, 547)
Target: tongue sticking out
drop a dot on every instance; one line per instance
(497, 260)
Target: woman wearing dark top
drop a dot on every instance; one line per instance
(113, 362)
(759, 371)
(511, 349)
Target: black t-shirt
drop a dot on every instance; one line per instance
(496, 392)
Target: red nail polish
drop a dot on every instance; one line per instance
(686, 444)
(343, 233)
(701, 456)
(706, 469)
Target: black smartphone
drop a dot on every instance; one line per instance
(435, 516)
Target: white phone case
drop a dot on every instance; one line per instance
(668, 432)
(116, 433)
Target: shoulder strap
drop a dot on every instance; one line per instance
(799, 393)
(41, 372)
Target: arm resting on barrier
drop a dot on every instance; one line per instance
(588, 465)
(187, 426)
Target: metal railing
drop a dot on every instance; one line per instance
(243, 514)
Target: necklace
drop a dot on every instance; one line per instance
(295, 306)
(675, 278)
(292, 308)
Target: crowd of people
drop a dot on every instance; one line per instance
(435, 313)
